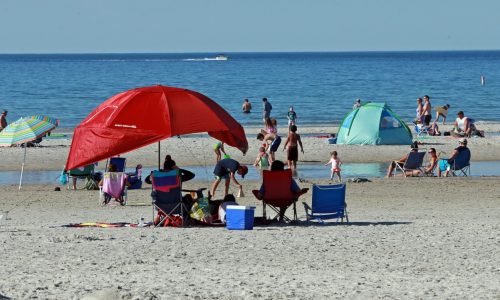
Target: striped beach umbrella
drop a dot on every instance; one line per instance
(25, 130)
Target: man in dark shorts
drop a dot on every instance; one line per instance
(275, 141)
(227, 168)
(266, 109)
(293, 141)
(426, 113)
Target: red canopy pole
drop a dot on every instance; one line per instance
(159, 155)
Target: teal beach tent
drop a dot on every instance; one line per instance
(373, 124)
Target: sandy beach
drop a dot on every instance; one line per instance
(408, 238)
(194, 150)
(428, 238)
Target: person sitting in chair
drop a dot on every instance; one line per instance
(169, 165)
(107, 197)
(278, 165)
(135, 178)
(401, 161)
(445, 164)
(433, 162)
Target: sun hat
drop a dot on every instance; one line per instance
(244, 171)
(462, 141)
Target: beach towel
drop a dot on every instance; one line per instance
(165, 181)
(105, 225)
(114, 183)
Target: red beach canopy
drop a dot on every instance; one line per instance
(146, 115)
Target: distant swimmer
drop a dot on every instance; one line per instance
(357, 104)
(483, 80)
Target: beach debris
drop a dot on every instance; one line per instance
(358, 179)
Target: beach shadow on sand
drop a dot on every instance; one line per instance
(328, 224)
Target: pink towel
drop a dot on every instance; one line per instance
(114, 183)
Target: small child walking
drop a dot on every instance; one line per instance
(292, 117)
(335, 161)
(262, 160)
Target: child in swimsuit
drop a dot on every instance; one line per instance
(335, 161)
(218, 148)
(292, 117)
(262, 160)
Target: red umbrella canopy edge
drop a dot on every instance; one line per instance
(142, 116)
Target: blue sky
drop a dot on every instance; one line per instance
(70, 26)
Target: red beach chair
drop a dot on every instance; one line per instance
(278, 193)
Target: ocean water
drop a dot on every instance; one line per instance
(321, 86)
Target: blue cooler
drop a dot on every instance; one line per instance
(239, 217)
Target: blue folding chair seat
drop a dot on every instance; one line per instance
(328, 202)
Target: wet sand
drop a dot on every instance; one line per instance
(198, 150)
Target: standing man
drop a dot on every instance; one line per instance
(267, 107)
(227, 168)
(247, 106)
(426, 113)
(3, 120)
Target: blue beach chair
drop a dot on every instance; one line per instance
(119, 162)
(422, 131)
(413, 163)
(461, 164)
(167, 196)
(328, 202)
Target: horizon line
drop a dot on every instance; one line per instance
(245, 52)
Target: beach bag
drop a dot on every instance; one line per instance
(63, 178)
(91, 184)
(200, 211)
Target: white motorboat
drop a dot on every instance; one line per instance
(221, 57)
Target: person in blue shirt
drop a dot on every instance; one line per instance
(227, 168)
